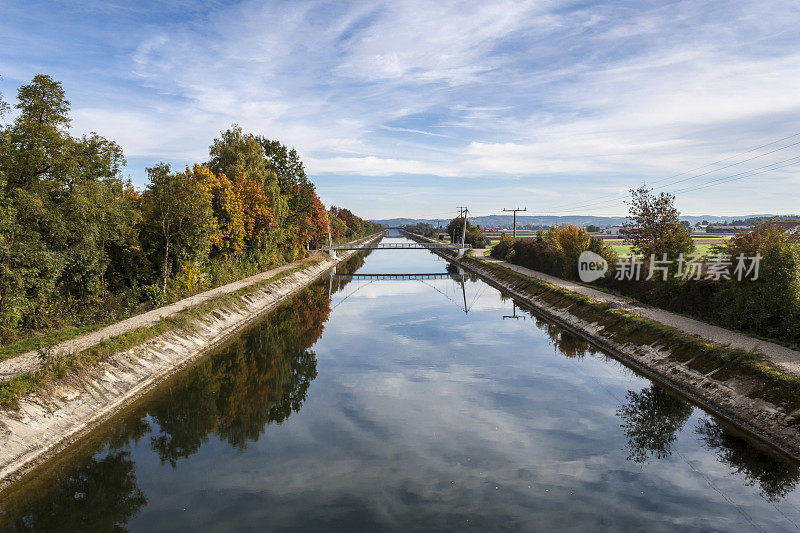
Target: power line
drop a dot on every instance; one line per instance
(616, 197)
(758, 170)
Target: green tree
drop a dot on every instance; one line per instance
(4, 107)
(236, 153)
(285, 163)
(62, 205)
(36, 140)
(180, 209)
(473, 236)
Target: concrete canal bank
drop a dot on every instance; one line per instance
(49, 420)
(760, 401)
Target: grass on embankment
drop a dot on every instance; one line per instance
(718, 362)
(48, 339)
(56, 366)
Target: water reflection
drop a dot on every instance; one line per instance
(775, 477)
(419, 417)
(99, 495)
(261, 378)
(651, 419)
(564, 341)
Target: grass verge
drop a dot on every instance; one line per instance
(48, 339)
(55, 366)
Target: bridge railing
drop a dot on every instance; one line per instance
(401, 246)
(401, 277)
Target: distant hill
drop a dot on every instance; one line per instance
(580, 220)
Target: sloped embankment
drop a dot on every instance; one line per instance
(744, 388)
(47, 421)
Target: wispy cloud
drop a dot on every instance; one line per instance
(573, 98)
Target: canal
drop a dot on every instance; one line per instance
(430, 404)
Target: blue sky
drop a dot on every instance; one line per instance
(412, 108)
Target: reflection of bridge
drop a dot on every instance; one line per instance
(403, 277)
(460, 277)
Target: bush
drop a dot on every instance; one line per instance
(555, 251)
(538, 254)
(154, 294)
(503, 250)
(768, 306)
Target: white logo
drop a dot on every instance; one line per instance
(591, 267)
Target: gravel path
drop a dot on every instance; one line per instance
(782, 356)
(29, 361)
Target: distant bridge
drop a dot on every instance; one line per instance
(400, 246)
(402, 277)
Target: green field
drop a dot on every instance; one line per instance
(703, 242)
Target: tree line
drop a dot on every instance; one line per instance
(768, 306)
(79, 244)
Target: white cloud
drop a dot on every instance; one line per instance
(593, 95)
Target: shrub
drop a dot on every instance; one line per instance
(154, 294)
(538, 254)
(573, 242)
(504, 249)
(769, 305)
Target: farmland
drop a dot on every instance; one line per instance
(703, 241)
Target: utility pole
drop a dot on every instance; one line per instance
(464, 231)
(515, 218)
(514, 314)
(461, 210)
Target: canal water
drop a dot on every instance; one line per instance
(420, 404)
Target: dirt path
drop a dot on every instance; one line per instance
(782, 356)
(29, 361)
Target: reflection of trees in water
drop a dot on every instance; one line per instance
(775, 477)
(263, 377)
(99, 495)
(651, 420)
(569, 344)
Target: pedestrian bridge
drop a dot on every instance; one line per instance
(400, 246)
(400, 277)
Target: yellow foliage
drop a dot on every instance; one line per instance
(228, 211)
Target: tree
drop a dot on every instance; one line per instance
(573, 242)
(4, 107)
(473, 236)
(63, 206)
(229, 235)
(235, 154)
(179, 205)
(285, 163)
(36, 141)
(653, 227)
(258, 215)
